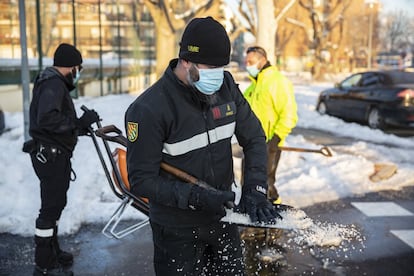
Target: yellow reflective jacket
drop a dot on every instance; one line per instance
(273, 101)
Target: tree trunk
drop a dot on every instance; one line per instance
(166, 45)
(266, 27)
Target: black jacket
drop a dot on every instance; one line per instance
(52, 113)
(169, 123)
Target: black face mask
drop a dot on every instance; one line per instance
(69, 78)
(73, 76)
(69, 81)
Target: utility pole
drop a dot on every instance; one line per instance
(74, 22)
(370, 38)
(39, 36)
(371, 4)
(24, 69)
(119, 46)
(74, 92)
(100, 50)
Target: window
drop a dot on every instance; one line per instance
(369, 79)
(352, 81)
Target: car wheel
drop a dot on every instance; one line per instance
(321, 108)
(375, 120)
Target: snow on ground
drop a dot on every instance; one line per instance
(302, 179)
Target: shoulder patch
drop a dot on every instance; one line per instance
(132, 131)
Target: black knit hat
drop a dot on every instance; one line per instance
(67, 55)
(205, 41)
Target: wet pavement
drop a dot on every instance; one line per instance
(383, 244)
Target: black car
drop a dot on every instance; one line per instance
(380, 99)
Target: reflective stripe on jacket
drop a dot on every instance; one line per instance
(273, 101)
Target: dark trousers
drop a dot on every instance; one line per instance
(189, 251)
(273, 157)
(54, 176)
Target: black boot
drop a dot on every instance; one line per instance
(63, 257)
(46, 259)
(59, 271)
(45, 252)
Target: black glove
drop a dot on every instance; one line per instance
(209, 200)
(89, 117)
(83, 131)
(254, 203)
(277, 139)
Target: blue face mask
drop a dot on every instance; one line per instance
(252, 70)
(76, 77)
(210, 80)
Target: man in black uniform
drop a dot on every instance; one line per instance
(187, 119)
(54, 128)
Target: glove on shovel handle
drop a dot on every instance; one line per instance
(85, 109)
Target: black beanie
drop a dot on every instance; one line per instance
(205, 41)
(67, 55)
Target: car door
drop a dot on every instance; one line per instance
(361, 96)
(340, 100)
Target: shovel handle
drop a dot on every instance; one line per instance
(116, 134)
(324, 150)
(190, 179)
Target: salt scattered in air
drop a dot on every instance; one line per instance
(306, 231)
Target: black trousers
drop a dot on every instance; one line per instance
(189, 251)
(54, 176)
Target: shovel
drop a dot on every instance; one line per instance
(119, 138)
(324, 150)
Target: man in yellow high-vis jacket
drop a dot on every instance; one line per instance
(272, 99)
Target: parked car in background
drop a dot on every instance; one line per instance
(2, 123)
(381, 99)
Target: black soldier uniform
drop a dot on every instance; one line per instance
(54, 129)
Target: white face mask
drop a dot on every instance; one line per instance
(253, 70)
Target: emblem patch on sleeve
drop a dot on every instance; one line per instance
(132, 131)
